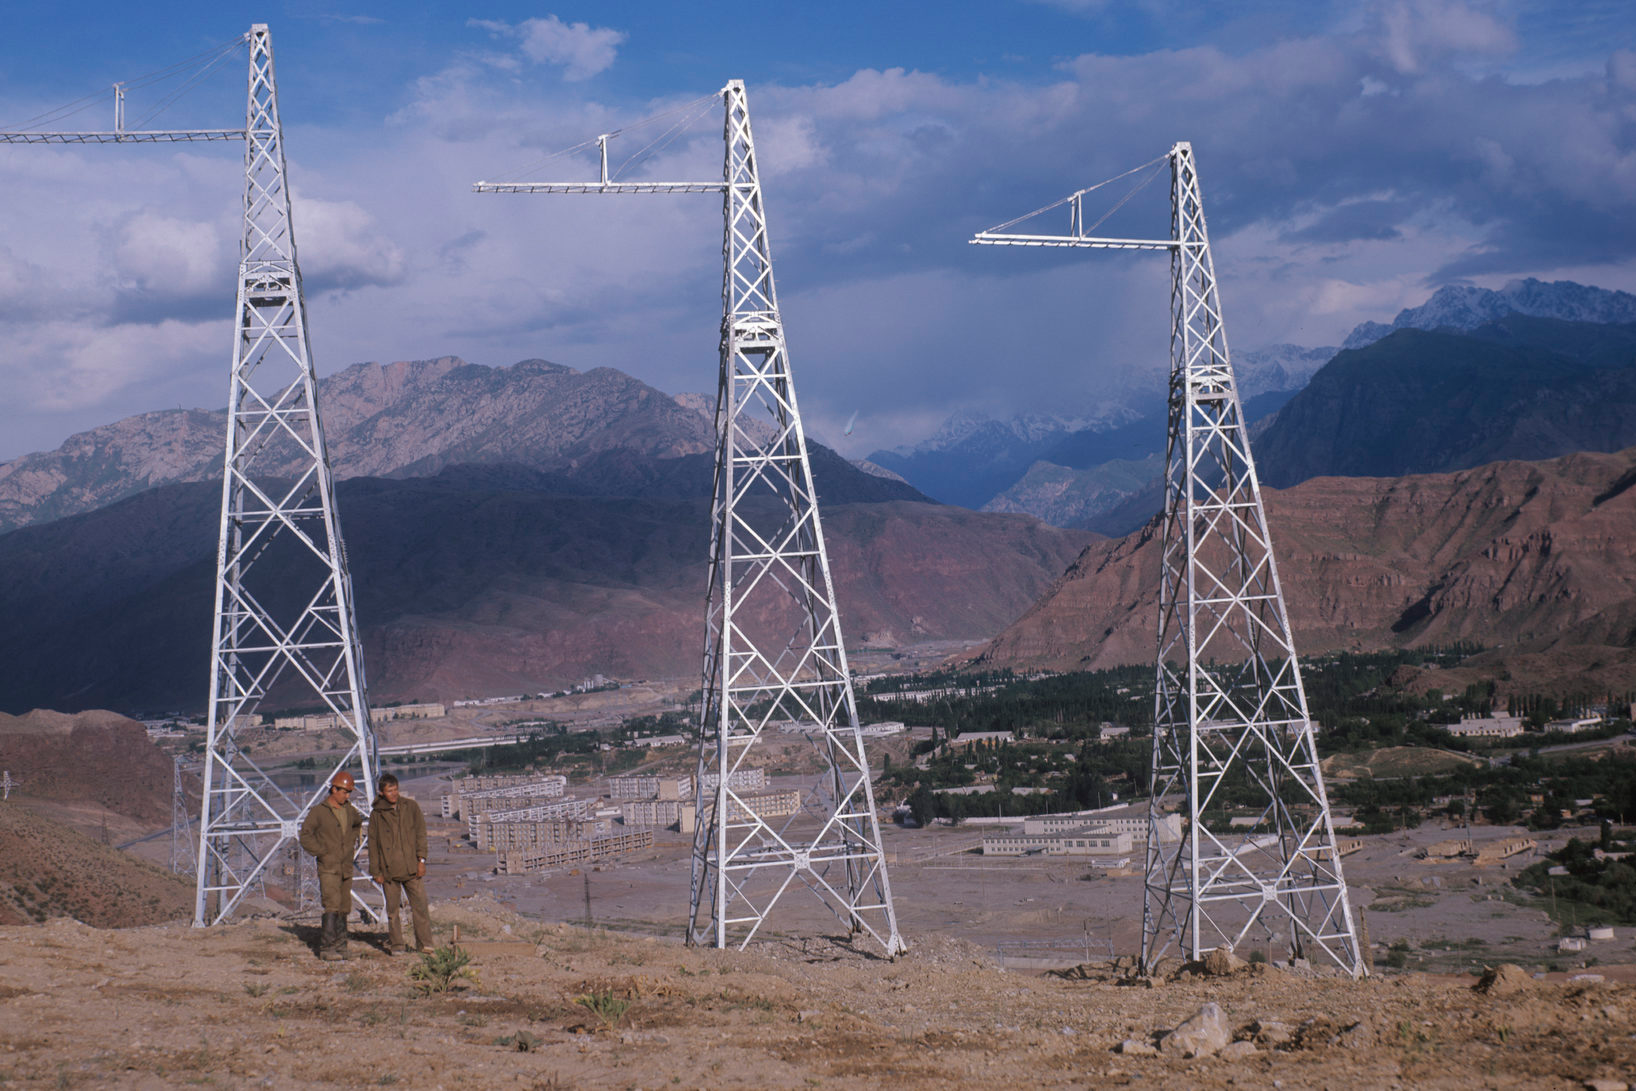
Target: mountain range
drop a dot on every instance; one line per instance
(405, 419)
(508, 529)
(1072, 473)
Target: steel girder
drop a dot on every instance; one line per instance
(1231, 729)
(284, 607)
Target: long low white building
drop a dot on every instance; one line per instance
(1081, 842)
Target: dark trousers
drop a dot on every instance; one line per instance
(415, 888)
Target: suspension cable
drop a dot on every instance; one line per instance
(1078, 193)
(203, 61)
(537, 164)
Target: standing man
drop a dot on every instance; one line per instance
(331, 832)
(397, 861)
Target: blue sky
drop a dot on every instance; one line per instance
(1354, 158)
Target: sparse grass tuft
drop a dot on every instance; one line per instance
(607, 1007)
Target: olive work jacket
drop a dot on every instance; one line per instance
(397, 838)
(332, 836)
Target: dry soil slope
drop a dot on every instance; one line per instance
(248, 1004)
(49, 870)
(1538, 556)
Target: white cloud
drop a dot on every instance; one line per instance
(580, 49)
(170, 256)
(341, 246)
(1418, 33)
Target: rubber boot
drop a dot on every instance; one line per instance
(327, 938)
(341, 936)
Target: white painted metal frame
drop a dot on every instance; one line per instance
(773, 646)
(1231, 729)
(268, 625)
(284, 607)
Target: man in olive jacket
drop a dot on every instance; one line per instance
(331, 832)
(397, 861)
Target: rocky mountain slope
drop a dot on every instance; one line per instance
(1534, 556)
(491, 580)
(403, 419)
(1428, 402)
(1465, 307)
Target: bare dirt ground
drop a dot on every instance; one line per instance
(622, 1003)
(247, 1004)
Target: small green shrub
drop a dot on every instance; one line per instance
(440, 968)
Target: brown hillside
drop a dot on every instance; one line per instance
(904, 572)
(1535, 556)
(48, 869)
(90, 757)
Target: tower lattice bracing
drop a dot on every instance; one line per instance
(775, 661)
(1232, 738)
(284, 622)
(773, 648)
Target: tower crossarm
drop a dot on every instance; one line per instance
(144, 136)
(987, 238)
(598, 187)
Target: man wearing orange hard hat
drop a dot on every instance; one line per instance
(331, 832)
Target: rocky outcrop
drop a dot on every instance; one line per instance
(1534, 556)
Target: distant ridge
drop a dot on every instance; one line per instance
(1463, 307)
(407, 419)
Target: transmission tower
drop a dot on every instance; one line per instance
(181, 836)
(774, 655)
(1231, 729)
(284, 611)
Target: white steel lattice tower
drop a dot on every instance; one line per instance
(284, 611)
(773, 647)
(774, 655)
(283, 614)
(1231, 731)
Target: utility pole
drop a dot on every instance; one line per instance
(773, 648)
(283, 619)
(1229, 705)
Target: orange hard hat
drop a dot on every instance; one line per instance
(343, 779)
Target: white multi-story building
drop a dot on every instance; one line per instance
(675, 786)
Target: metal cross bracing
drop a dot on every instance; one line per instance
(182, 860)
(774, 654)
(283, 620)
(1232, 737)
